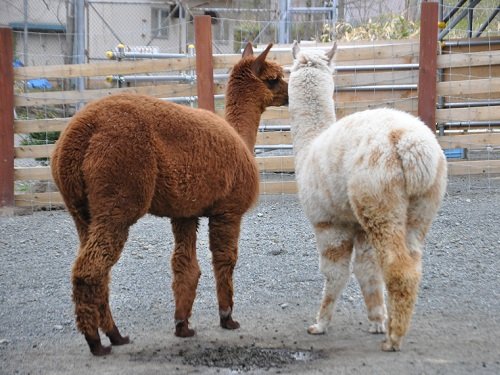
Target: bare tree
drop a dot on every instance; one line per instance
(341, 10)
(412, 9)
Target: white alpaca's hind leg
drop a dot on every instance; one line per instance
(335, 248)
(369, 275)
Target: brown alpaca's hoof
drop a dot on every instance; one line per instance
(229, 323)
(182, 329)
(96, 347)
(116, 338)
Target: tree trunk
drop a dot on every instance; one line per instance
(341, 11)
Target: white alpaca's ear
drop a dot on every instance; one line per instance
(331, 53)
(248, 51)
(295, 49)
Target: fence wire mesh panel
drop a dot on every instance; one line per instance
(148, 47)
(468, 108)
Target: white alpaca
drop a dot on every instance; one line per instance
(372, 181)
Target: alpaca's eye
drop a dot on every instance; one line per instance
(272, 82)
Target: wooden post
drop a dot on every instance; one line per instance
(204, 63)
(6, 119)
(428, 64)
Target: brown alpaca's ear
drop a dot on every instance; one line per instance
(248, 51)
(331, 53)
(259, 61)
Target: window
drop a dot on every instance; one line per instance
(159, 22)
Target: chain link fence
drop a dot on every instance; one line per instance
(44, 35)
(44, 31)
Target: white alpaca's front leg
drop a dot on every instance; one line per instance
(335, 248)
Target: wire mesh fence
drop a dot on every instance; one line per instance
(384, 74)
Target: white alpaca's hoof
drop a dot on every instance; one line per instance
(389, 345)
(315, 329)
(376, 327)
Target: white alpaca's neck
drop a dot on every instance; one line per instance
(312, 108)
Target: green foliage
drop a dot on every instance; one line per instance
(38, 138)
(388, 27)
(245, 33)
(42, 138)
(481, 14)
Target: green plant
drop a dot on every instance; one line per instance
(387, 27)
(245, 33)
(41, 138)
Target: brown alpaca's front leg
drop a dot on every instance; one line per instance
(186, 273)
(224, 233)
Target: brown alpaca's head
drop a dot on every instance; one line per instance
(258, 80)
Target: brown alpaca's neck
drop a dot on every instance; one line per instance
(245, 119)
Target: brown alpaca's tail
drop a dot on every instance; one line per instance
(66, 164)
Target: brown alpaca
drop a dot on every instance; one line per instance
(127, 155)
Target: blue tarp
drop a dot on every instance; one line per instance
(454, 153)
(39, 83)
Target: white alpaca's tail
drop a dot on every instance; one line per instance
(421, 157)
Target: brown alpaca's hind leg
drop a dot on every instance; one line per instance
(90, 285)
(186, 272)
(107, 322)
(224, 233)
(81, 217)
(369, 275)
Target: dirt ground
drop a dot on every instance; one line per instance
(455, 328)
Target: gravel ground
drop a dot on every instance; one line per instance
(455, 329)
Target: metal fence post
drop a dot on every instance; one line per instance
(6, 119)
(204, 62)
(428, 64)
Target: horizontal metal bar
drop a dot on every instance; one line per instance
(308, 10)
(144, 78)
(182, 99)
(189, 99)
(377, 88)
(472, 124)
(234, 10)
(450, 124)
(263, 128)
(364, 68)
(469, 43)
(485, 103)
(143, 55)
(273, 147)
(165, 78)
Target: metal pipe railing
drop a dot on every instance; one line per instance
(372, 68)
(377, 88)
(189, 99)
(485, 103)
(472, 124)
(470, 43)
(273, 147)
(187, 78)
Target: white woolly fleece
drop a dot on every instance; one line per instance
(358, 149)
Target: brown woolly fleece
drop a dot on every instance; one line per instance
(127, 155)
